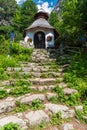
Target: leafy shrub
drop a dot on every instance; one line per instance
(17, 49)
(2, 39)
(10, 126)
(71, 100)
(3, 93)
(20, 107)
(23, 57)
(56, 119)
(8, 62)
(76, 75)
(4, 46)
(36, 104)
(22, 83)
(3, 76)
(20, 90)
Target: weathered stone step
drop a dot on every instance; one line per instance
(69, 91)
(43, 81)
(42, 87)
(48, 87)
(28, 98)
(65, 111)
(7, 104)
(36, 117)
(14, 119)
(28, 69)
(38, 74)
(35, 81)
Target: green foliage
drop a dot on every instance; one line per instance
(54, 20)
(80, 116)
(3, 75)
(85, 107)
(76, 75)
(17, 49)
(28, 9)
(71, 100)
(7, 62)
(21, 87)
(69, 21)
(2, 39)
(5, 30)
(36, 104)
(4, 46)
(22, 83)
(10, 126)
(7, 9)
(20, 107)
(3, 93)
(56, 119)
(20, 91)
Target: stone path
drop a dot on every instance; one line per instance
(39, 77)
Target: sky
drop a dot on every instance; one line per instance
(47, 5)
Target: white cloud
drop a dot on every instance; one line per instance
(40, 3)
(17, 1)
(45, 6)
(20, 1)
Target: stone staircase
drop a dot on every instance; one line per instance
(38, 78)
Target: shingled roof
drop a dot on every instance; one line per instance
(41, 22)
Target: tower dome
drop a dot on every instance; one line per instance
(41, 14)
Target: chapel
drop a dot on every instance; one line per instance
(40, 34)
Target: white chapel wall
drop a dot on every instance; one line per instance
(49, 43)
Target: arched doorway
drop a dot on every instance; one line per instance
(39, 40)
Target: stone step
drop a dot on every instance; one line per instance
(14, 119)
(7, 104)
(36, 117)
(34, 81)
(32, 69)
(43, 81)
(55, 108)
(37, 74)
(30, 118)
(29, 98)
(42, 87)
(48, 87)
(69, 91)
